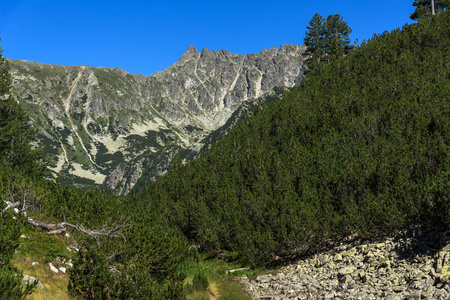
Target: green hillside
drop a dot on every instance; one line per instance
(361, 146)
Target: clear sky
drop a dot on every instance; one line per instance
(145, 36)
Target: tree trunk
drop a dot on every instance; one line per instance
(108, 230)
(432, 7)
(58, 231)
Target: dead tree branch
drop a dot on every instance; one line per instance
(114, 230)
(11, 205)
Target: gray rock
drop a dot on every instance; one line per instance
(346, 270)
(337, 257)
(264, 278)
(27, 279)
(53, 268)
(322, 260)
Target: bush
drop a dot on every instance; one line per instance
(11, 286)
(200, 281)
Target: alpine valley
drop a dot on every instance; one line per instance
(104, 126)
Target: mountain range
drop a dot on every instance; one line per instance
(106, 127)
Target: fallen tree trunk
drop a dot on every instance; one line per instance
(58, 231)
(240, 269)
(113, 230)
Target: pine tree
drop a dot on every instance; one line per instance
(328, 39)
(314, 38)
(337, 41)
(426, 7)
(16, 131)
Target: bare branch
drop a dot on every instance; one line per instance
(11, 205)
(58, 231)
(114, 230)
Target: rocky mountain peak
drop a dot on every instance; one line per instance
(190, 53)
(106, 126)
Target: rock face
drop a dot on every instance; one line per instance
(413, 265)
(106, 126)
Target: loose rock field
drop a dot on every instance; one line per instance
(415, 264)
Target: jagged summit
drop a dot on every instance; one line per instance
(190, 53)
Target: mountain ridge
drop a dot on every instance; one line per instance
(108, 127)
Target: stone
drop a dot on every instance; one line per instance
(379, 245)
(398, 289)
(27, 279)
(346, 271)
(440, 294)
(350, 252)
(345, 280)
(440, 261)
(337, 257)
(414, 296)
(264, 278)
(322, 260)
(53, 268)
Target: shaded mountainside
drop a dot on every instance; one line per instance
(106, 126)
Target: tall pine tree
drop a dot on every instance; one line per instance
(337, 41)
(327, 40)
(425, 7)
(314, 38)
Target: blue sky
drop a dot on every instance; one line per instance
(145, 36)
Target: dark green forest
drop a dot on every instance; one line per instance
(362, 146)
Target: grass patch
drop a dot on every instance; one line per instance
(221, 285)
(40, 248)
(231, 290)
(198, 295)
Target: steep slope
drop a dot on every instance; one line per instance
(106, 126)
(361, 146)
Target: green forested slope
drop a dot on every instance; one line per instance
(361, 146)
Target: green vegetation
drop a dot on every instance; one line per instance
(17, 133)
(362, 146)
(425, 8)
(327, 40)
(10, 277)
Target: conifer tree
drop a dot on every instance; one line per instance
(328, 39)
(16, 131)
(314, 38)
(427, 7)
(337, 41)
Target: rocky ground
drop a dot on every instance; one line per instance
(414, 264)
